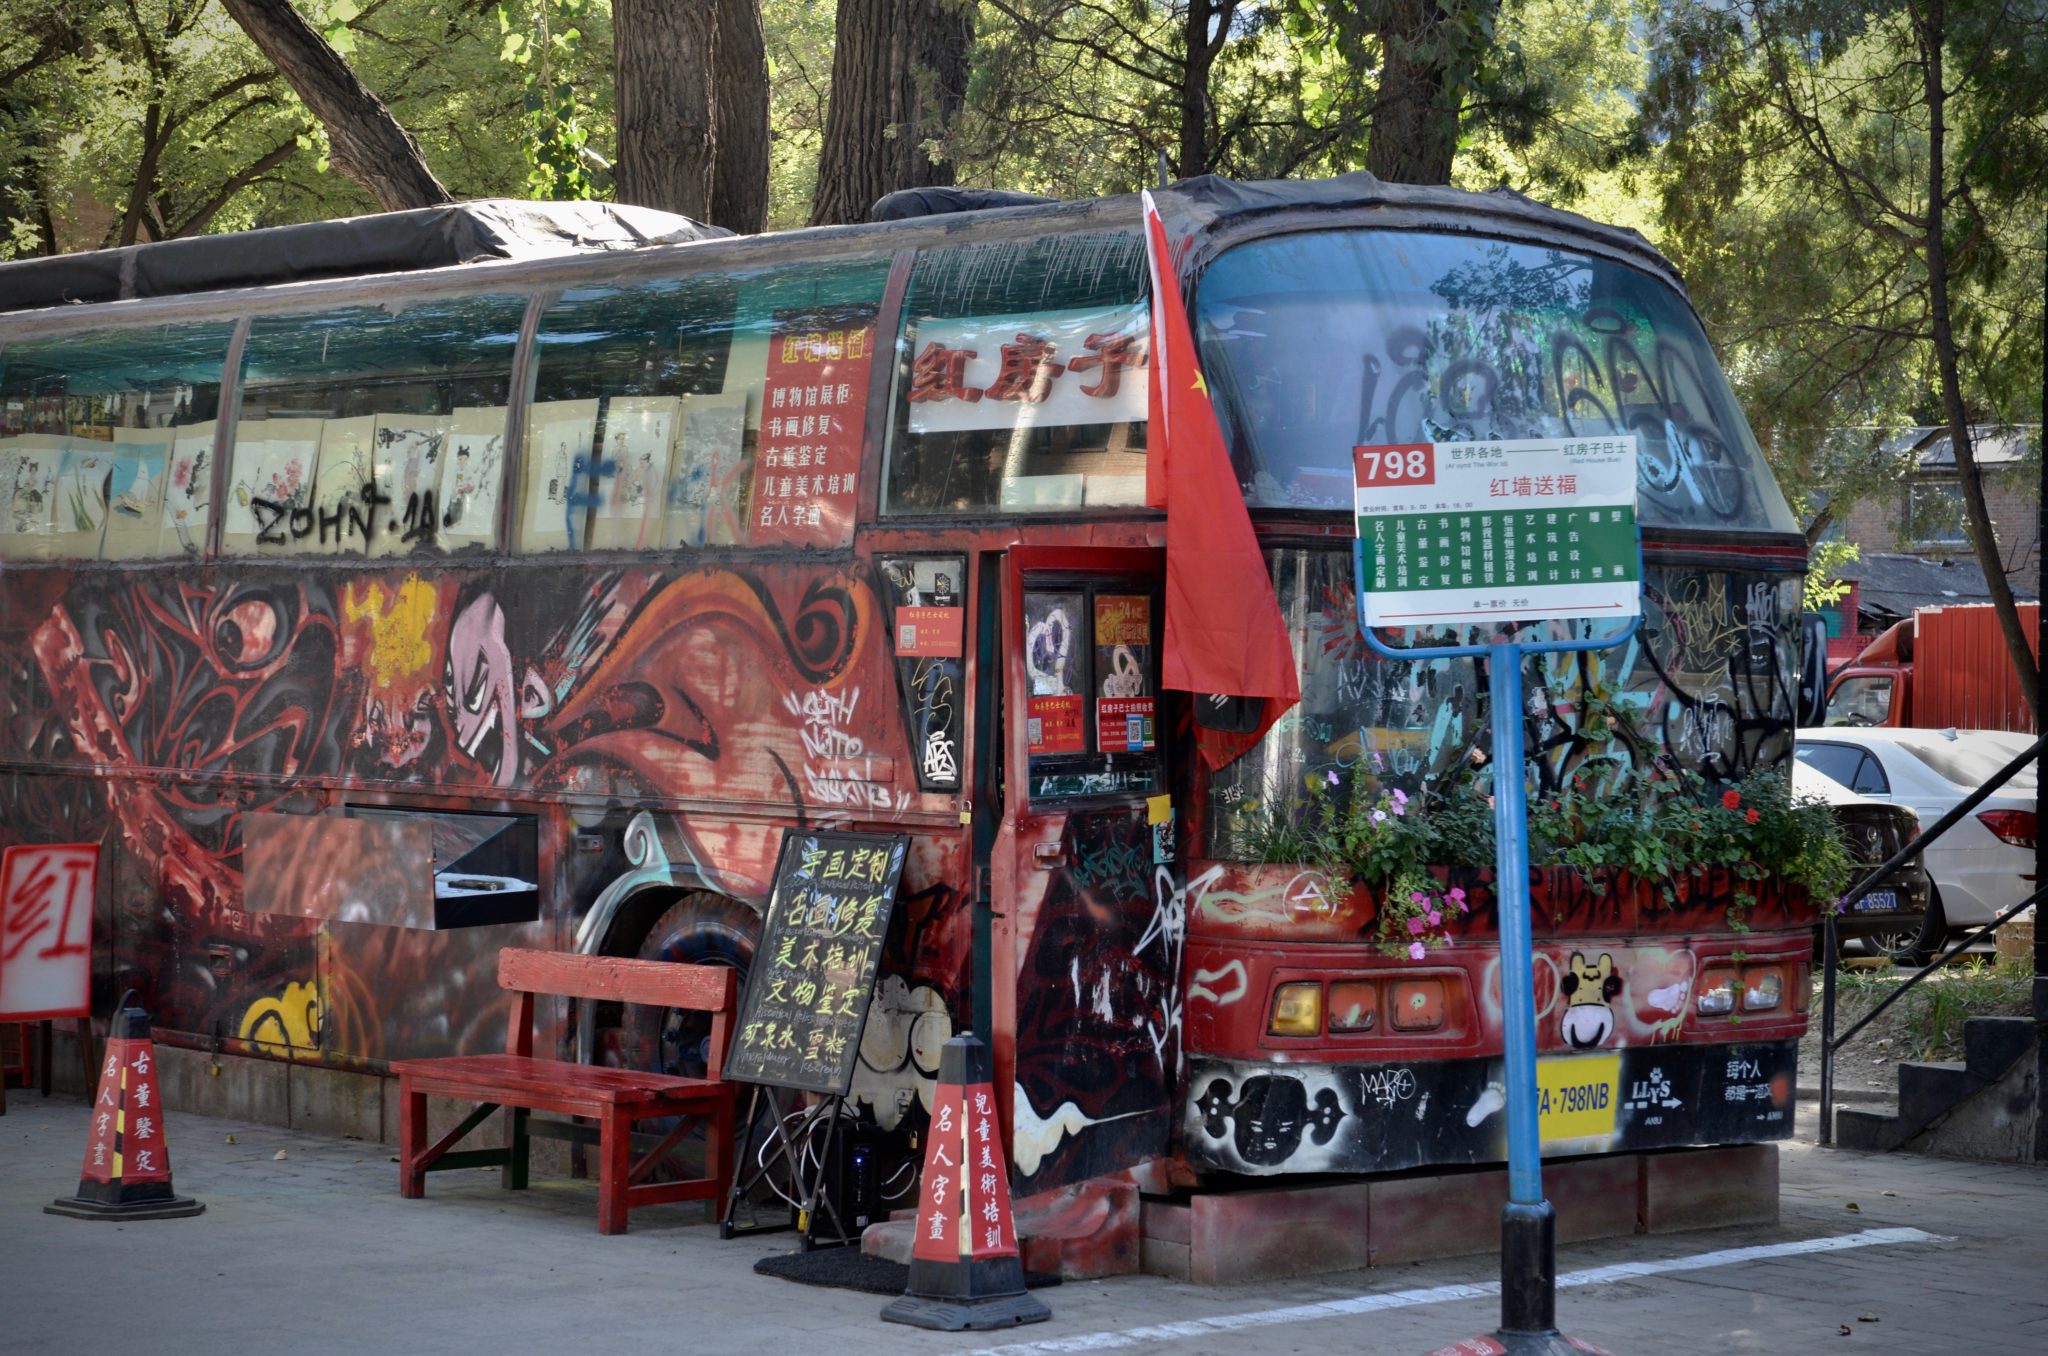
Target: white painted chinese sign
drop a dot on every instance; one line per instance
(46, 900)
(1458, 533)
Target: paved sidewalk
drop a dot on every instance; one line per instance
(316, 1252)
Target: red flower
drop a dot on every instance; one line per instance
(1731, 799)
(1752, 816)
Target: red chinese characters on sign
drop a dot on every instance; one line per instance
(126, 1139)
(940, 373)
(1112, 353)
(1053, 725)
(1027, 371)
(1531, 487)
(813, 412)
(930, 632)
(46, 898)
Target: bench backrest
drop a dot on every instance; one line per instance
(666, 984)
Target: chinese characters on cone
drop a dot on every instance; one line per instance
(964, 1270)
(127, 1172)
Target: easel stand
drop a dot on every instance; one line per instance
(780, 1148)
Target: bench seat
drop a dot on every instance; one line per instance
(614, 1098)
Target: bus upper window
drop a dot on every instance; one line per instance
(1020, 383)
(721, 409)
(106, 442)
(372, 431)
(1315, 343)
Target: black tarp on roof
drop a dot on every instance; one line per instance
(388, 242)
(1891, 584)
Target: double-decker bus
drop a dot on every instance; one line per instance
(373, 616)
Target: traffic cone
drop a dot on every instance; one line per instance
(127, 1172)
(964, 1271)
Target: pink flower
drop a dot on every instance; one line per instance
(1436, 920)
(1332, 776)
(1416, 951)
(1416, 926)
(1400, 809)
(1457, 894)
(1400, 796)
(1418, 896)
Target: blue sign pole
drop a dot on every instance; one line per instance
(1528, 1292)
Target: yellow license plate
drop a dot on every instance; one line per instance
(1577, 1098)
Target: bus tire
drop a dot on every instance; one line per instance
(700, 928)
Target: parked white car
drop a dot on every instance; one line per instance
(1984, 864)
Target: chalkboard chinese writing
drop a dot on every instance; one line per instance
(807, 996)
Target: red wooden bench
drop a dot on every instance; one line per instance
(614, 1098)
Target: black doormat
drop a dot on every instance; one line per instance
(849, 1269)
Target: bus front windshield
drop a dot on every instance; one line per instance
(1320, 341)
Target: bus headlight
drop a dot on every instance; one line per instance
(1297, 1010)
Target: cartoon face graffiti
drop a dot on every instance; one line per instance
(483, 699)
(1270, 1114)
(1588, 990)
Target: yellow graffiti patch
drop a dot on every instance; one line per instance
(1576, 1098)
(398, 632)
(287, 1022)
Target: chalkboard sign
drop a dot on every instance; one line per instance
(814, 974)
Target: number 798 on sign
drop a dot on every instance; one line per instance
(1395, 466)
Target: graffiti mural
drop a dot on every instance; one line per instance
(293, 692)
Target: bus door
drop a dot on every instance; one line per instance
(1086, 937)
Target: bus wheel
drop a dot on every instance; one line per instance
(699, 929)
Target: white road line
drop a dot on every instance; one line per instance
(1445, 1294)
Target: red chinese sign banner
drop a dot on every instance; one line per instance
(963, 1211)
(813, 410)
(46, 901)
(931, 632)
(1125, 704)
(126, 1140)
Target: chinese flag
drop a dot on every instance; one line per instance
(1224, 632)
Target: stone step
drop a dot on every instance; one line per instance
(1992, 1045)
(1930, 1089)
(1868, 1129)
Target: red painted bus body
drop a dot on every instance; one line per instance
(594, 725)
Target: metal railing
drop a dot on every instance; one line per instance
(1830, 1043)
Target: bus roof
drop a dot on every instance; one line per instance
(387, 242)
(1212, 212)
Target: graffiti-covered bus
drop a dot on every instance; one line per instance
(375, 607)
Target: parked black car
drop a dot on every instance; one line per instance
(1887, 918)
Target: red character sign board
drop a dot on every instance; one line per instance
(813, 410)
(964, 1210)
(930, 632)
(1053, 725)
(126, 1141)
(46, 899)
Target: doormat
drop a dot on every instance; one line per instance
(849, 1269)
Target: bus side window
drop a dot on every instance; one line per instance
(372, 431)
(1021, 378)
(716, 409)
(106, 442)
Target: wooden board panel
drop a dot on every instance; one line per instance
(704, 988)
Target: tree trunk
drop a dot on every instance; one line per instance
(1931, 28)
(899, 77)
(664, 53)
(1415, 121)
(1194, 86)
(364, 141)
(739, 175)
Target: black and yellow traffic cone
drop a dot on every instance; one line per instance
(964, 1271)
(127, 1172)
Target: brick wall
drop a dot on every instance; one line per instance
(1879, 522)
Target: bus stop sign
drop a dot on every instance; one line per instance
(1497, 535)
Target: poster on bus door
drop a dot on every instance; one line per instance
(1482, 532)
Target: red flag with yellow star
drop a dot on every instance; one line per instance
(1225, 637)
